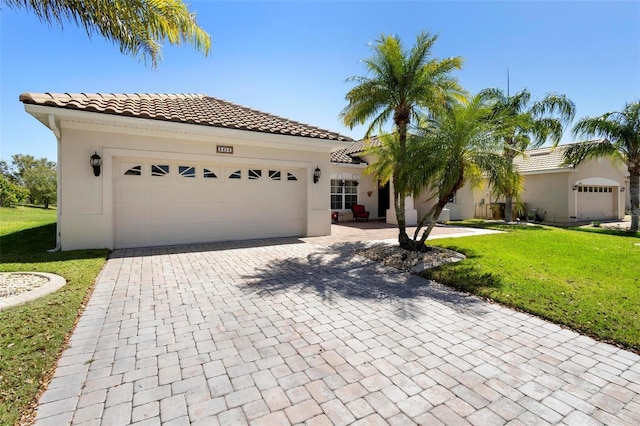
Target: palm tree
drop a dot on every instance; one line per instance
(137, 26)
(524, 125)
(622, 133)
(402, 85)
(462, 145)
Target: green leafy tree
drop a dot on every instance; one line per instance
(621, 131)
(36, 175)
(401, 85)
(10, 193)
(138, 27)
(524, 125)
(5, 170)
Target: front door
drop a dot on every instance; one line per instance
(383, 199)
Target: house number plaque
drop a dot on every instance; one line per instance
(224, 149)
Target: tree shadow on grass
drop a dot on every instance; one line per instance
(31, 245)
(337, 272)
(465, 276)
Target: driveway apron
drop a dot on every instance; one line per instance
(283, 331)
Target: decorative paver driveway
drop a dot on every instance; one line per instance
(284, 331)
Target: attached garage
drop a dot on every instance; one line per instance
(179, 169)
(161, 202)
(598, 198)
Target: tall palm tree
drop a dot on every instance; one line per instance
(401, 86)
(622, 133)
(138, 27)
(524, 125)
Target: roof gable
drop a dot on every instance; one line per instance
(182, 108)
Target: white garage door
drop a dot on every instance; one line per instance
(596, 202)
(163, 202)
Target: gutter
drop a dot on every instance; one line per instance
(56, 131)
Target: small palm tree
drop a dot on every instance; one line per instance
(523, 125)
(458, 146)
(402, 85)
(462, 145)
(622, 133)
(138, 27)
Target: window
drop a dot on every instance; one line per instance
(208, 174)
(187, 171)
(290, 176)
(344, 194)
(274, 174)
(134, 171)
(159, 170)
(255, 174)
(236, 175)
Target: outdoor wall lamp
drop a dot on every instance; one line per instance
(575, 187)
(622, 189)
(316, 174)
(96, 162)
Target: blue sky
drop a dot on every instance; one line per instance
(292, 58)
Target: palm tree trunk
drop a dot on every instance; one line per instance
(634, 192)
(399, 204)
(508, 199)
(434, 212)
(403, 239)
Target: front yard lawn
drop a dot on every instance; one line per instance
(32, 335)
(587, 281)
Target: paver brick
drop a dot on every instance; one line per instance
(230, 333)
(146, 411)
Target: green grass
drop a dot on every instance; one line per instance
(588, 281)
(32, 335)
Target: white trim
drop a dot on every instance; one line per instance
(597, 181)
(354, 166)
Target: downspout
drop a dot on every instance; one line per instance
(56, 131)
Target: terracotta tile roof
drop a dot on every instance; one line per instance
(182, 108)
(348, 155)
(543, 159)
(340, 156)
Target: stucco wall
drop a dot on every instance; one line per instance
(461, 208)
(86, 209)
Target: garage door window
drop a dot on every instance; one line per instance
(255, 174)
(187, 171)
(274, 174)
(594, 189)
(208, 174)
(134, 171)
(290, 176)
(344, 194)
(159, 170)
(236, 175)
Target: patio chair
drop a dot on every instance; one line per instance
(359, 213)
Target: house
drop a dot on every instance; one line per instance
(594, 190)
(563, 194)
(175, 169)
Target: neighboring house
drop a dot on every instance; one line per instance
(595, 190)
(563, 194)
(179, 169)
